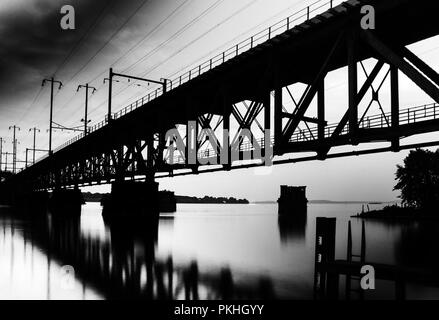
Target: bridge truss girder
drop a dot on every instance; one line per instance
(397, 59)
(261, 108)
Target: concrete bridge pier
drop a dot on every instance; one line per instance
(292, 202)
(66, 202)
(36, 202)
(132, 201)
(5, 195)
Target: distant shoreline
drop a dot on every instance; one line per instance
(331, 202)
(396, 213)
(97, 197)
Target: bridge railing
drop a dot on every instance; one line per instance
(286, 24)
(406, 116)
(383, 120)
(282, 26)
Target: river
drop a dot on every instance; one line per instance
(232, 251)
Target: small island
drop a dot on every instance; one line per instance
(418, 183)
(97, 197)
(207, 199)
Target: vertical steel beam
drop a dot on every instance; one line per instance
(321, 111)
(278, 121)
(226, 158)
(321, 119)
(118, 165)
(192, 143)
(51, 116)
(86, 110)
(150, 152)
(110, 93)
(267, 122)
(394, 88)
(160, 148)
(188, 143)
(1, 153)
(353, 85)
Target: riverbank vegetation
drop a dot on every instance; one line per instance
(418, 183)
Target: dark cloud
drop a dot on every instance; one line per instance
(32, 43)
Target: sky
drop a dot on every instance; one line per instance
(161, 39)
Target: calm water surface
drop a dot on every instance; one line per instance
(237, 251)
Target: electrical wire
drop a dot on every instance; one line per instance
(77, 45)
(176, 34)
(135, 12)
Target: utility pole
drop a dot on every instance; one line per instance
(1, 152)
(6, 160)
(14, 148)
(85, 119)
(110, 93)
(52, 82)
(35, 139)
(112, 74)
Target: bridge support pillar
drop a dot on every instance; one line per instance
(353, 87)
(394, 86)
(132, 201)
(35, 203)
(66, 202)
(6, 196)
(292, 202)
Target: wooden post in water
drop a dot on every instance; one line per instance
(325, 285)
(363, 242)
(349, 259)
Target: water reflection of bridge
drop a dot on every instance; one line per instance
(125, 266)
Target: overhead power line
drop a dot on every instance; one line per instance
(201, 36)
(176, 34)
(147, 36)
(195, 40)
(68, 101)
(136, 11)
(96, 21)
(31, 105)
(75, 47)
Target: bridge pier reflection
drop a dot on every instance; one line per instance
(124, 263)
(292, 228)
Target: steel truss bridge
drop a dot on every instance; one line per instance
(248, 88)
